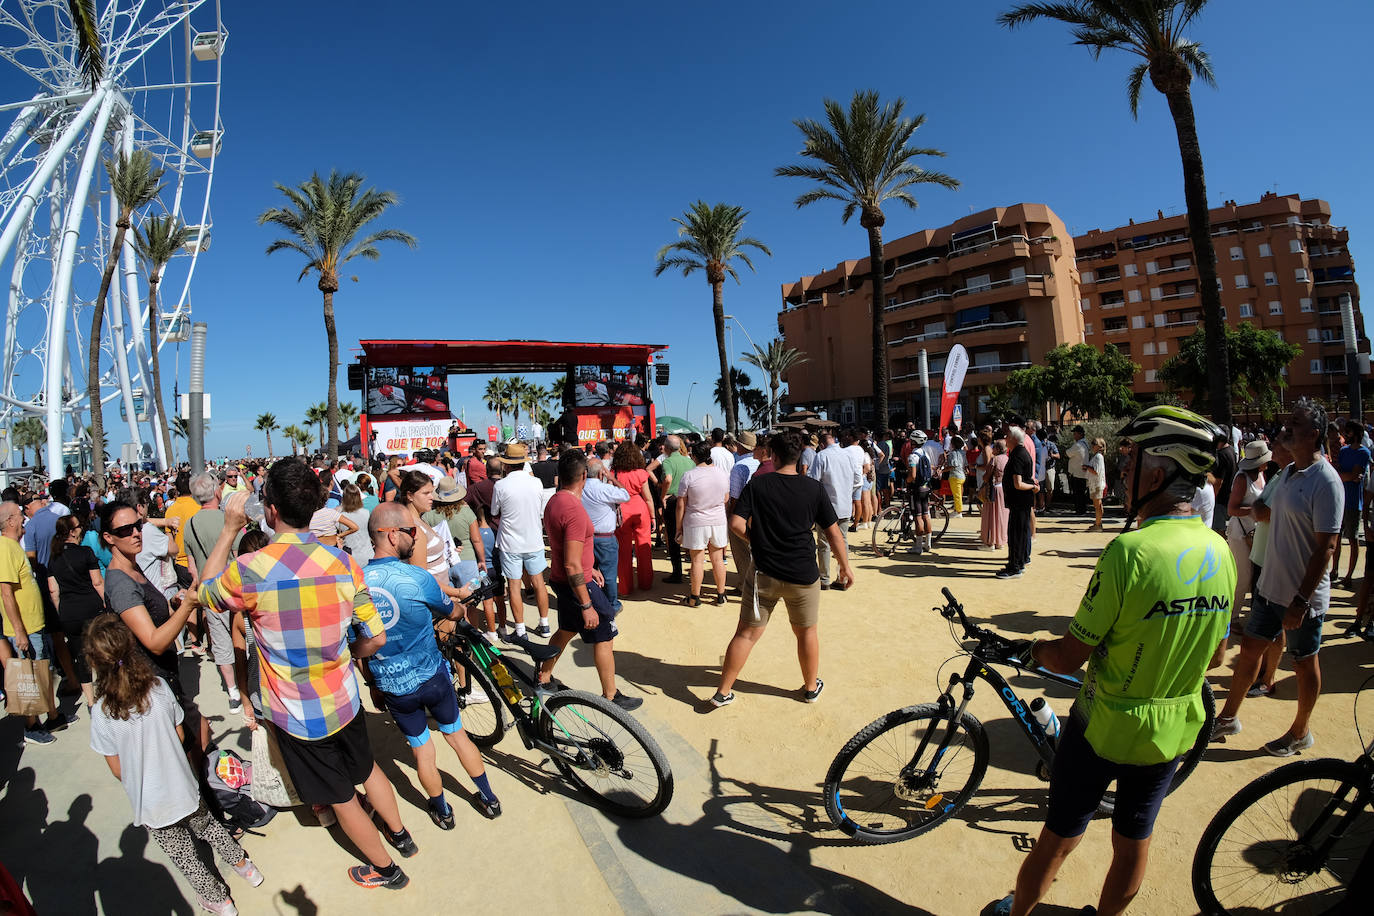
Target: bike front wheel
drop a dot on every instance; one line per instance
(889, 530)
(607, 754)
(1290, 842)
(479, 701)
(905, 773)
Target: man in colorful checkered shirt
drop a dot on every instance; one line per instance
(306, 602)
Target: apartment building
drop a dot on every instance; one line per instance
(1001, 282)
(1281, 265)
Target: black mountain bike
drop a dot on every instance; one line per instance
(914, 767)
(1299, 839)
(895, 528)
(597, 746)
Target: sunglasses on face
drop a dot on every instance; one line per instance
(124, 531)
(407, 531)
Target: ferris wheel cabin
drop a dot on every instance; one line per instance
(197, 239)
(208, 45)
(206, 143)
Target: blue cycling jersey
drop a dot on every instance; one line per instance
(407, 598)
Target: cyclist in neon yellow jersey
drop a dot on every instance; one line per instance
(1150, 624)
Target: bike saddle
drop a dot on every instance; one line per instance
(536, 651)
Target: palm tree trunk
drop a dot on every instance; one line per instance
(270, 456)
(93, 358)
(332, 448)
(773, 402)
(877, 267)
(727, 384)
(1200, 230)
(164, 427)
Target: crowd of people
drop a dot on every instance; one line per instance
(307, 580)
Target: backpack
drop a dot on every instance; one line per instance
(921, 473)
(230, 779)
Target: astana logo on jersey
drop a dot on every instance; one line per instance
(1194, 566)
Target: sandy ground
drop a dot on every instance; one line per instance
(746, 831)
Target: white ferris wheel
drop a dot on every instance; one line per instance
(160, 92)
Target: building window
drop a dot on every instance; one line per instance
(1163, 347)
(1131, 270)
(1275, 307)
(1219, 283)
(1305, 304)
(1265, 250)
(1313, 335)
(1242, 281)
(1155, 293)
(1271, 278)
(1138, 321)
(1237, 254)
(1087, 276)
(1133, 295)
(1246, 311)
(1087, 328)
(1315, 366)
(1223, 313)
(1150, 375)
(1149, 348)
(1295, 246)
(1151, 267)
(1084, 303)
(1300, 275)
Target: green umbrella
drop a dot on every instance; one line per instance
(676, 425)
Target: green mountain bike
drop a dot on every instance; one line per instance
(597, 746)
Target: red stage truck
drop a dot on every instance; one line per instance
(607, 393)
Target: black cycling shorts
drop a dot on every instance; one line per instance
(1080, 778)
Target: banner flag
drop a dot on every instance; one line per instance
(956, 366)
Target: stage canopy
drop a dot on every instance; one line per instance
(495, 356)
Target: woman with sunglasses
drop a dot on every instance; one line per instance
(154, 621)
(78, 592)
(416, 492)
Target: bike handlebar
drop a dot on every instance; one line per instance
(953, 609)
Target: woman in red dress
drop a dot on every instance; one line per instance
(637, 524)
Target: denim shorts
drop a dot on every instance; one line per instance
(1266, 622)
(513, 563)
(39, 643)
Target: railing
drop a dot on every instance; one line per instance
(1114, 305)
(1106, 278)
(917, 301)
(1330, 280)
(1121, 330)
(1010, 281)
(1179, 324)
(1187, 294)
(1256, 227)
(1172, 240)
(1224, 231)
(993, 243)
(990, 325)
(1175, 269)
(1094, 256)
(921, 263)
(998, 367)
(918, 338)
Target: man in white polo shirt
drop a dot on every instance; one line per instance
(517, 505)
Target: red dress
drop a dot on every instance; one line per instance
(636, 545)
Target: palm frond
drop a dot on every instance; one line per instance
(1199, 64)
(90, 54)
(1134, 84)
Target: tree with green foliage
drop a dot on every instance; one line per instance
(1258, 359)
(29, 433)
(323, 220)
(739, 383)
(159, 239)
(134, 182)
(348, 415)
(497, 398)
(317, 415)
(863, 159)
(298, 437)
(267, 423)
(1154, 30)
(1085, 381)
(776, 360)
(708, 240)
(90, 54)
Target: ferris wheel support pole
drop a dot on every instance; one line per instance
(118, 344)
(62, 285)
(23, 208)
(138, 326)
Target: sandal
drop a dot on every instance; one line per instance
(720, 598)
(692, 601)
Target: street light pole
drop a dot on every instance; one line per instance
(739, 324)
(688, 417)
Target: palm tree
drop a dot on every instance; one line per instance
(318, 415)
(267, 422)
(517, 388)
(497, 398)
(181, 429)
(323, 221)
(1154, 32)
(556, 389)
(776, 360)
(299, 438)
(90, 56)
(709, 240)
(28, 433)
(160, 238)
(728, 396)
(104, 440)
(864, 160)
(134, 181)
(348, 415)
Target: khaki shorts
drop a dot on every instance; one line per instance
(761, 593)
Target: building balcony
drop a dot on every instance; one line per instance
(1169, 297)
(1105, 254)
(1002, 290)
(1174, 270)
(993, 251)
(918, 269)
(919, 300)
(1161, 243)
(912, 339)
(1334, 280)
(989, 368)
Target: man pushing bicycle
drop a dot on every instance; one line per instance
(1149, 626)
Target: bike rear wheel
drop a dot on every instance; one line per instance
(941, 507)
(890, 529)
(479, 701)
(1290, 842)
(879, 791)
(1190, 759)
(607, 754)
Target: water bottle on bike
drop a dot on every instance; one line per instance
(1046, 717)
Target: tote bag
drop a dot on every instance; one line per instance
(271, 784)
(28, 687)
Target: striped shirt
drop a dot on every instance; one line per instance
(302, 598)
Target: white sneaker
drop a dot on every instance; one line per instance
(226, 908)
(249, 872)
(1225, 727)
(1287, 747)
(478, 695)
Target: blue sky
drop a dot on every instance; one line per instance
(540, 151)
